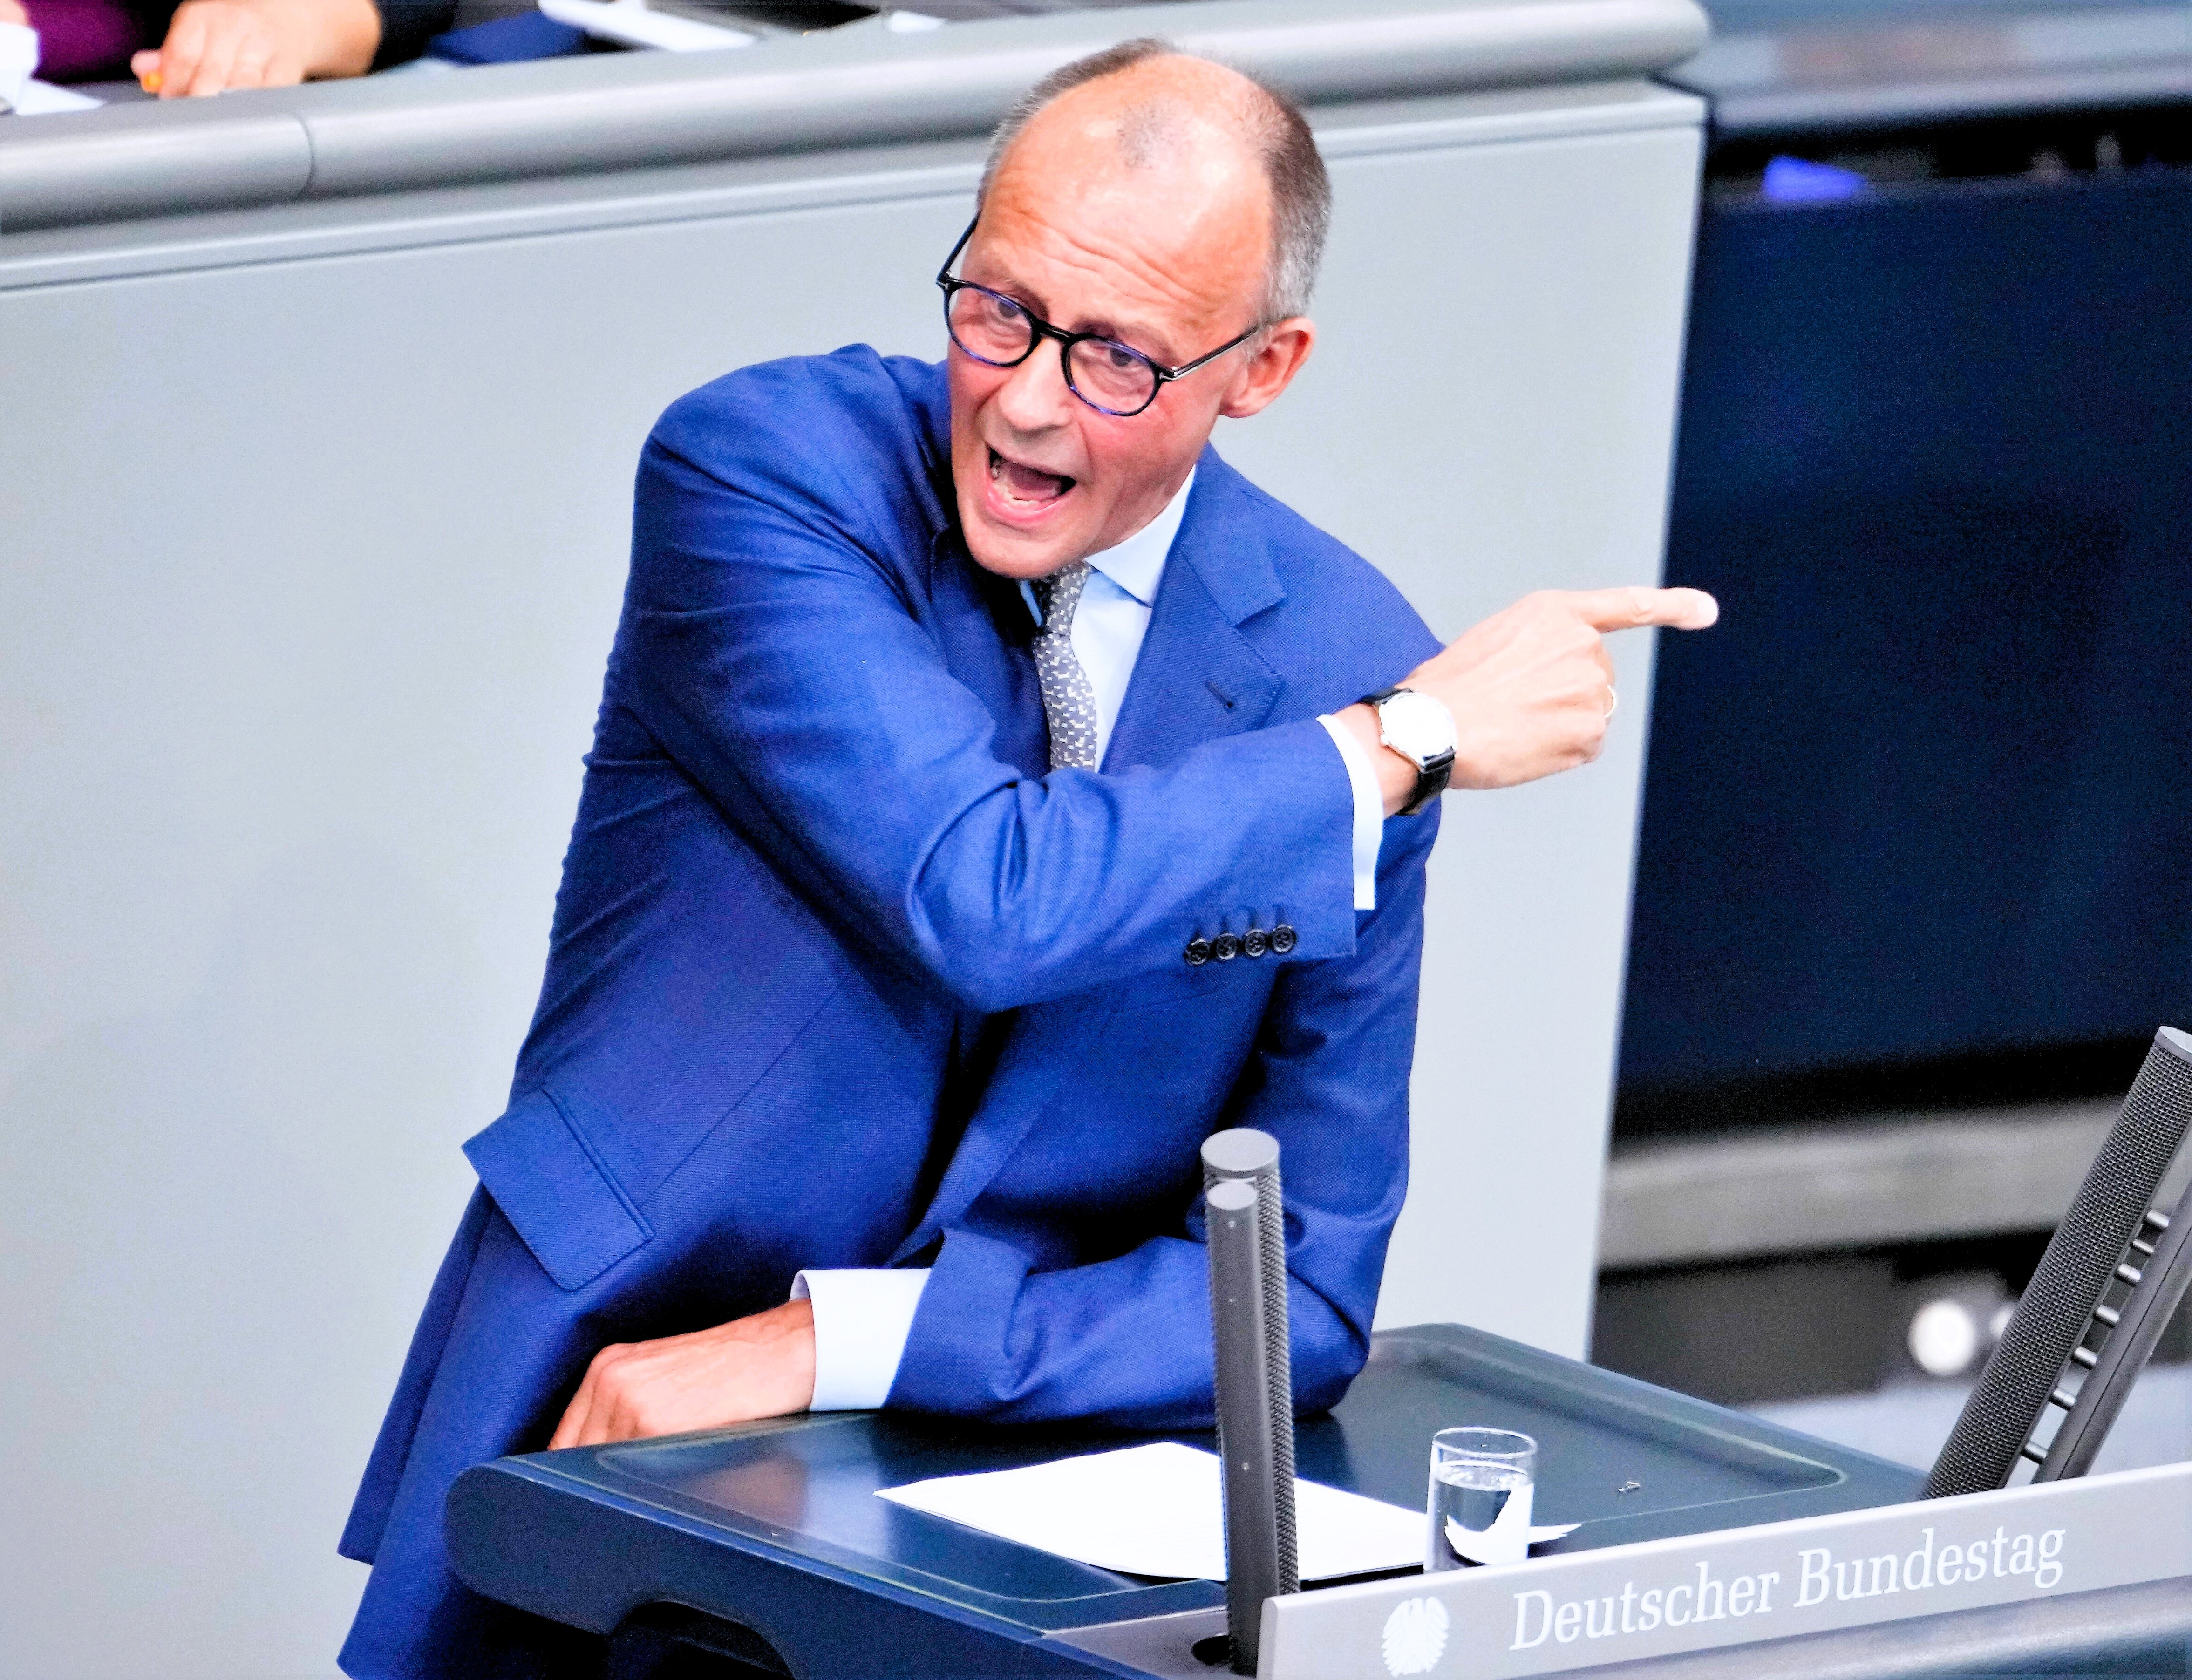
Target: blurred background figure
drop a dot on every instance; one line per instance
(210, 46)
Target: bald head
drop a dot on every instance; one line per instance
(1204, 142)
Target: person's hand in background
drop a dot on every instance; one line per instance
(215, 45)
(11, 12)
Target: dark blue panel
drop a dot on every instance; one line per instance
(1926, 790)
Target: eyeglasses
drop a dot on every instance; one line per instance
(1001, 332)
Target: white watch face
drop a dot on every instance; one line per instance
(1416, 726)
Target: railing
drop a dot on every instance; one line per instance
(579, 115)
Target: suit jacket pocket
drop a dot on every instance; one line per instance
(573, 1216)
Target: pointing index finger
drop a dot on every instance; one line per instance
(1637, 608)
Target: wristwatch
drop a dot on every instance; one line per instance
(1421, 730)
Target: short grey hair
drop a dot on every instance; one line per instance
(1301, 191)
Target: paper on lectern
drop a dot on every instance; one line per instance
(1157, 1510)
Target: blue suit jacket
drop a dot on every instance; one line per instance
(841, 977)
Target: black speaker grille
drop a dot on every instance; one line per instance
(2050, 1319)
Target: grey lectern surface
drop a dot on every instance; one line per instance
(316, 511)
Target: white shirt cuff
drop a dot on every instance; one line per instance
(861, 1322)
(1369, 810)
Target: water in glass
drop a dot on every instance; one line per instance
(1471, 1496)
(1480, 1477)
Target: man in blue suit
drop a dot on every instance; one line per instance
(982, 811)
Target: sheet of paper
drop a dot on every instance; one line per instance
(635, 24)
(1157, 1510)
(43, 98)
(19, 57)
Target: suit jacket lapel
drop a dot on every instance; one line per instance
(983, 627)
(1198, 678)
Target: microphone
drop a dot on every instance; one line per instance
(1246, 1223)
(2075, 1272)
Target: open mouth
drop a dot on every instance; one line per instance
(1025, 487)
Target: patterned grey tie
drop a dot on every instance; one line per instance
(1069, 700)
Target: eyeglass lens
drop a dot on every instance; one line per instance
(993, 329)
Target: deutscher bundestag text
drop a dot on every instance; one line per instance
(1815, 1575)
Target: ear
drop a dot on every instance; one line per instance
(1271, 370)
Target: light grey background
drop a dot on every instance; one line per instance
(1909, 1421)
(312, 528)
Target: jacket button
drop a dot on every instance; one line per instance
(1282, 938)
(1197, 952)
(1225, 947)
(1254, 942)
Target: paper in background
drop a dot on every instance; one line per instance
(19, 91)
(638, 25)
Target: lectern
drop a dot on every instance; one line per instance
(767, 1541)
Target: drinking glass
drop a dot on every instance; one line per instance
(1478, 1476)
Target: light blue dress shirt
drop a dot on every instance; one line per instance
(862, 1317)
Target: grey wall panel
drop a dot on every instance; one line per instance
(310, 571)
(1488, 414)
(308, 564)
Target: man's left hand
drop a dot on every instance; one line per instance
(761, 1366)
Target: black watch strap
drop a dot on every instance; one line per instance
(1431, 776)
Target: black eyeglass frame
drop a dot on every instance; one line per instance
(951, 287)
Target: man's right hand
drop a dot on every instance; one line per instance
(1531, 688)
